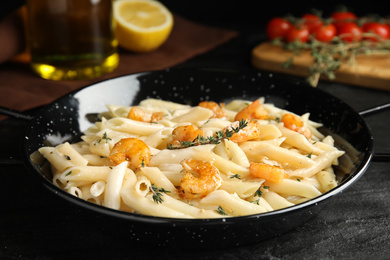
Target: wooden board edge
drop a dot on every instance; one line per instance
(263, 57)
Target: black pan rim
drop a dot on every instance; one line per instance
(230, 220)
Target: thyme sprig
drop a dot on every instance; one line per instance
(221, 211)
(328, 57)
(216, 139)
(104, 137)
(157, 193)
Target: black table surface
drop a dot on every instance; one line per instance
(35, 224)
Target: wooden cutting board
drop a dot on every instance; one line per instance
(371, 71)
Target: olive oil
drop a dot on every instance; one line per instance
(71, 39)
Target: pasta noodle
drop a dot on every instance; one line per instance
(198, 173)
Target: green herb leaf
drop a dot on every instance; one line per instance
(157, 193)
(235, 176)
(104, 137)
(221, 211)
(258, 193)
(219, 136)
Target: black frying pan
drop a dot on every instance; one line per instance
(65, 119)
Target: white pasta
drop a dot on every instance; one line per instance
(97, 188)
(232, 203)
(276, 201)
(292, 187)
(112, 198)
(277, 168)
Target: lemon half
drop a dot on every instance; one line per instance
(142, 25)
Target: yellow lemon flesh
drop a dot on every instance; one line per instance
(142, 25)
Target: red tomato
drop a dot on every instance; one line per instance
(298, 33)
(350, 32)
(325, 33)
(277, 28)
(381, 30)
(312, 21)
(342, 17)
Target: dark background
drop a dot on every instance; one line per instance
(245, 11)
(34, 224)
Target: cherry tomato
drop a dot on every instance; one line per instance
(381, 30)
(325, 33)
(312, 21)
(342, 17)
(350, 32)
(298, 33)
(277, 27)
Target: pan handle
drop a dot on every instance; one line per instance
(17, 115)
(14, 113)
(374, 110)
(381, 157)
(377, 157)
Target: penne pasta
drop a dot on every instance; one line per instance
(226, 169)
(112, 198)
(291, 187)
(232, 203)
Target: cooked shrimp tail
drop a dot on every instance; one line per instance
(192, 187)
(254, 111)
(294, 123)
(249, 132)
(218, 109)
(133, 150)
(185, 133)
(267, 172)
(138, 114)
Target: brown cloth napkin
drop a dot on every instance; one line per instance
(21, 89)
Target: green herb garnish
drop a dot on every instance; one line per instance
(219, 136)
(235, 176)
(157, 193)
(258, 193)
(221, 211)
(104, 137)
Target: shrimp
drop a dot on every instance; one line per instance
(185, 133)
(138, 114)
(133, 150)
(254, 111)
(294, 123)
(267, 172)
(218, 109)
(192, 187)
(251, 131)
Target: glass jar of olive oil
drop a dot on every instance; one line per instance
(71, 39)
